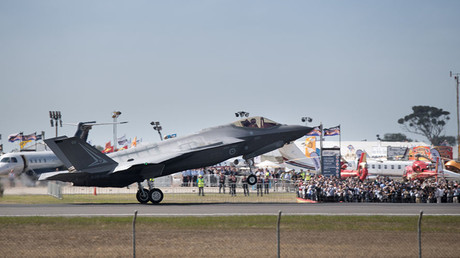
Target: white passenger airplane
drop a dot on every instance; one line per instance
(31, 164)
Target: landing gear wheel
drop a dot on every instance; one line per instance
(142, 196)
(252, 179)
(155, 195)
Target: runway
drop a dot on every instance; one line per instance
(229, 209)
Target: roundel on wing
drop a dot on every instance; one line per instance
(232, 151)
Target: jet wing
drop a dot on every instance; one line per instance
(177, 154)
(65, 176)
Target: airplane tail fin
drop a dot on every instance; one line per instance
(362, 167)
(77, 155)
(293, 156)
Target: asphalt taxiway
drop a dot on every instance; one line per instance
(228, 209)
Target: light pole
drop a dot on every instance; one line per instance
(157, 127)
(306, 120)
(456, 75)
(242, 114)
(55, 120)
(115, 115)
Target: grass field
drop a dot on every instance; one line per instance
(229, 236)
(131, 198)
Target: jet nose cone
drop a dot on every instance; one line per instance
(298, 131)
(303, 130)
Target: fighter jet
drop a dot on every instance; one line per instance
(248, 137)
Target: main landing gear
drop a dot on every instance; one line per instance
(153, 195)
(252, 179)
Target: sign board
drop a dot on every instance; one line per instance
(330, 162)
(445, 151)
(396, 153)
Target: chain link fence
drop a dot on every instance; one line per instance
(230, 236)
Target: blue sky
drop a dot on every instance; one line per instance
(193, 64)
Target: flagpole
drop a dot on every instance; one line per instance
(321, 144)
(340, 140)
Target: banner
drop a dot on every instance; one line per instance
(331, 162)
(445, 151)
(310, 146)
(422, 151)
(396, 153)
(22, 144)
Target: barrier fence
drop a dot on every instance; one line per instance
(230, 236)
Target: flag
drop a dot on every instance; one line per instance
(108, 148)
(30, 137)
(122, 140)
(315, 132)
(332, 131)
(134, 142)
(15, 137)
(123, 148)
(170, 136)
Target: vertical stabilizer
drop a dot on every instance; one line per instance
(77, 155)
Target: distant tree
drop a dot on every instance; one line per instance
(443, 140)
(396, 137)
(427, 121)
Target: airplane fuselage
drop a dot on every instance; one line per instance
(199, 150)
(31, 163)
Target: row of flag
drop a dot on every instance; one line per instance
(327, 132)
(22, 137)
(122, 141)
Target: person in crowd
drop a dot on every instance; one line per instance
(267, 182)
(245, 185)
(200, 183)
(259, 185)
(222, 182)
(233, 185)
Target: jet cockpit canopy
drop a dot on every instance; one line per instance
(256, 122)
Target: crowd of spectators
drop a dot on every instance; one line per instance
(332, 189)
(381, 189)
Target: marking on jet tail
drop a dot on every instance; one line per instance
(97, 160)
